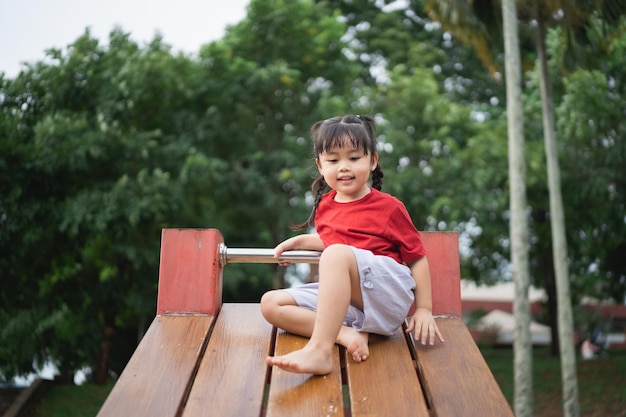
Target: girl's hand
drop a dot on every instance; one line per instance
(285, 245)
(308, 241)
(424, 326)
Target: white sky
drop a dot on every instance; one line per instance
(29, 27)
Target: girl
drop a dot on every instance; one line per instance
(372, 267)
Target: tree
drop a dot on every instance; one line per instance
(590, 121)
(559, 240)
(542, 12)
(108, 145)
(97, 180)
(518, 222)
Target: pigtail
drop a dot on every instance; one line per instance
(318, 188)
(377, 178)
(377, 174)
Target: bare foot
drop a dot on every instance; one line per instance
(356, 343)
(305, 361)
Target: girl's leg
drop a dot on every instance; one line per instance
(280, 309)
(339, 286)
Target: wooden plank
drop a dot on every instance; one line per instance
(232, 374)
(159, 373)
(458, 380)
(445, 272)
(386, 384)
(303, 395)
(190, 274)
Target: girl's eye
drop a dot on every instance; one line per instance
(355, 158)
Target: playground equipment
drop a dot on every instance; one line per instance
(204, 358)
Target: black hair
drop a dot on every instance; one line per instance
(354, 130)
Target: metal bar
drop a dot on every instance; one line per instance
(250, 255)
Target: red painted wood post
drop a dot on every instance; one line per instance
(442, 250)
(190, 274)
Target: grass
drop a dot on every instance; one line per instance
(73, 400)
(601, 382)
(601, 385)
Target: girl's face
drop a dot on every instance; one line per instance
(347, 170)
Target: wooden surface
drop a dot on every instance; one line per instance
(175, 373)
(303, 395)
(158, 375)
(232, 375)
(386, 384)
(458, 380)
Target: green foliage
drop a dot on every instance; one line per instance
(97, 180)
(592, 123)
(105, 146)
(26, 325)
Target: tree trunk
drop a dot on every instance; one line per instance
(101, 373)
(546, 270)
(518, 223)
(559, 241)
(550, 284)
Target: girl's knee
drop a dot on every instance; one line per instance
(271, 301)
(268, 303)
(336, 252)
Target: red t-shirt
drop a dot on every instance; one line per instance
(377, 222)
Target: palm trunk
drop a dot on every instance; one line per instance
(559, 242)
(523, 401)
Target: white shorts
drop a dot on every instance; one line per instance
(388, 293)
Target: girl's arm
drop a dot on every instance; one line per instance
(422, 322)
(309, 241)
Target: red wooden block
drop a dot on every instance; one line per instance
(190, 274)
(445, 272)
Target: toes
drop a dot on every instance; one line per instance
(358, 357)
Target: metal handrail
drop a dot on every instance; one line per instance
(250, 255)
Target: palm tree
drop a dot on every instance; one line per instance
(569, 380)
(518, 224)
(470, 20)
